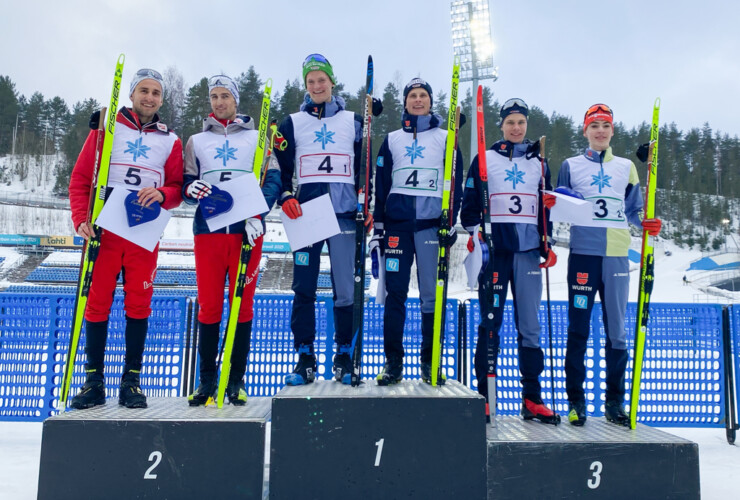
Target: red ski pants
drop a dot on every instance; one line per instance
(215, 255)
(138, 268)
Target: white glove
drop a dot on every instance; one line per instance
(254, 230)
(199, 189)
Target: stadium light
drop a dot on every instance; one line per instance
(472, 42)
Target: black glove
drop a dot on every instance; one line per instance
(463, 120)
(642, 152)
(533, 150)
(377, 106)
(94, 120)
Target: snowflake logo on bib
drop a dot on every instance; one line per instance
(601, 180)
(324, 136)
(514, 175)
(414, 151)
(226, 153)
(137, 149)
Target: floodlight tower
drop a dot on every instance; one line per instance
(471, 40)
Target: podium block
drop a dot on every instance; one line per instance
(410, 440)
(166, 451)
(599, 460)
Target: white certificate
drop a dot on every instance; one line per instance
(113, 218)
(317, 223)
(570, 209)
(474, 261)
(248, 201)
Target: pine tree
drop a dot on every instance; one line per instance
(173, 99)
(250, 94)
(291, 98)
(197, 107)
(8, 113)
(72, 141)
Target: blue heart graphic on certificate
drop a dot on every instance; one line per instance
(138, 214)
(217, 203)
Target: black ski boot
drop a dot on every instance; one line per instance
(206, 389)
(533, 408)
(577, 413)
(130, 394)
(614, 413)
(305, 370)
(236, 391)
(392, 372)
(426, 374)
(92, 393)
(343, 364)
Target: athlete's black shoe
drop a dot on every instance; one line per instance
(305, 370)
(130, 394)
(577, 413)
(614, 412)
(236, 391)
(426, 374)
(92, 393)
(392, 372)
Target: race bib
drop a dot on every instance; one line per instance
(608, 211)
(134, 177)
(417, 182)
(325, 167)
(218, 176)
(514, 207)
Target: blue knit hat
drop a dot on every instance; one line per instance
(514, 105)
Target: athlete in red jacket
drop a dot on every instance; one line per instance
(146, 157)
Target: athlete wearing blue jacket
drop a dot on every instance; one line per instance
(514, 185)
(323, 152)
(408, 207)
(598, 260)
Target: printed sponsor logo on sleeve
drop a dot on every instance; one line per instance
(391, 265)
(580, 301)
(301, 258)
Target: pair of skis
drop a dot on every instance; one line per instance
(487, 285)
(98, 187)
(443, 258)
(647, 267)
(358, 310)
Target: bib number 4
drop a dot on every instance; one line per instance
(321, 165)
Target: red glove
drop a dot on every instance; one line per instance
(292, 208)
(549, 200)
(652, 226)
(550, 260)
(471, 245)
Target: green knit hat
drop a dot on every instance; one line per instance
(317, 62)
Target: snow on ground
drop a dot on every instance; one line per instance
(20, 452)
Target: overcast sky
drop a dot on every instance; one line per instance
(559, 55)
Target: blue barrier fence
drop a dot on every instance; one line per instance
(34, 337)
(682, 380)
